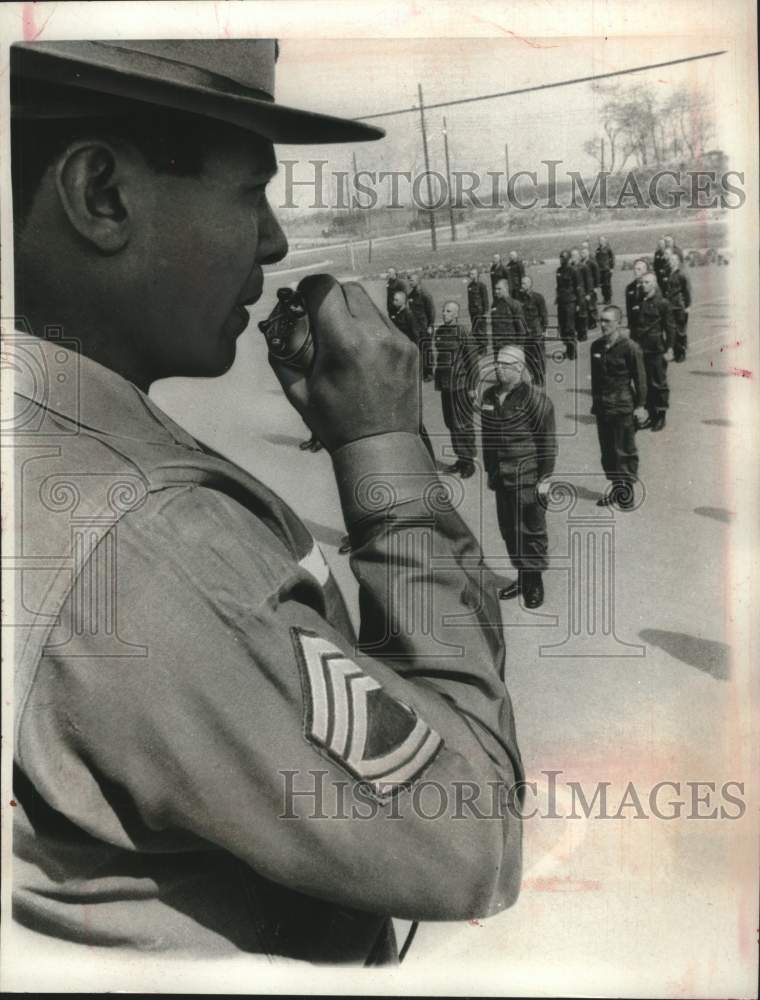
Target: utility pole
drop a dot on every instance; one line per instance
(448, 183)
(367, 219)
(506, 161)
(433, 240)
(602, 155)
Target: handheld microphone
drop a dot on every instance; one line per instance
(288, 331)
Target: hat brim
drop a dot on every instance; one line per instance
(89, 74)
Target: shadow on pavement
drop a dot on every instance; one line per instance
(579, 392)
(713, 374)
(705, 654)
(324, 534)
(286, 439)
(718, 423)
(717, 513)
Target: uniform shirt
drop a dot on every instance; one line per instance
(618, 377)
(455, 356)
(165, 710)
(534, 310)
(515, 274)
(477, 299)
(678, 291)
(634, 296)
(605, 258)
(406, 321)
(660, 267)
(655, 330)
(498, 271)
(507, 323)
(518, 434)
(590, 265)
(420, 301)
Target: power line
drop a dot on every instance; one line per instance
(542, 86)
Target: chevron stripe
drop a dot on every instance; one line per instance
(338, 717)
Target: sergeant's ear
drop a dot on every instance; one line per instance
(91, 191)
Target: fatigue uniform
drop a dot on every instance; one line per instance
(166, 712)
(393, 285)
(593, 281)
(568, 294)
(478, 307)
(655, 336)
(605, 261)
(405, 320)
(515, 275)
(536, 322)
(618, 387)
(519, 449)
(498, 271)
(455, 362)
(420, 301)
(678, 294)
(661, 268)
(634, 296)
(584, 299)
(507, 324)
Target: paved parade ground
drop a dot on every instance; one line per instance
(625, 675)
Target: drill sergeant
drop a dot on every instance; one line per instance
(456, 357)
(605, 261)
(149, 790)
(678, 294)
(478, 306)
(536, 322)
(655, 334)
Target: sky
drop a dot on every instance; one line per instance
(359, 77)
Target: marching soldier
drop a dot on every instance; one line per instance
(588, 262)
(634, 296)
(421, 303)
(498, 271)
(455, 362)
(515, 274)
(618, 390)
(536, 322)
(660, 264)
(605, 261)
(478, 307)
(566, 300)
(519, 452)
(393, 284)
(507, 319)
(655, 337)
(678, 294)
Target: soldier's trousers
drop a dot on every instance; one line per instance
(535, 358)
(658, 393)
(480, 332)
(457, 415)
(681, 321)
(605, 281)
(617, 440)
(566, 324)
(593, 311)
(522, 523)
(426, 355)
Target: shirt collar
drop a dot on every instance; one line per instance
(88, 394)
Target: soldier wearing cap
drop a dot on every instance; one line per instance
(158, 757)
(519, 452)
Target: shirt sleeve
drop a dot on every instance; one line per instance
(546, 443)
(253, 724)
(638, 375)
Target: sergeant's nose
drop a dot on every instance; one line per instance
(273, 243)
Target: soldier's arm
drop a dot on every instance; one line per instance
(686, 292)
(543, 315)
(638, 375)
(668, 325)
(546, 438)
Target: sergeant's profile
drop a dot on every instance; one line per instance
(149, 777)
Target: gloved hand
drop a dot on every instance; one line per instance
(364, 377)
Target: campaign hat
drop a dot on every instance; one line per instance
(227, 79)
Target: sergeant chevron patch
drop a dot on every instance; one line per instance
(365, 730)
